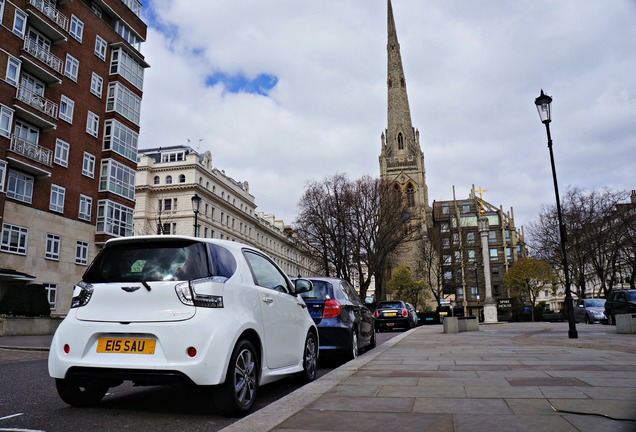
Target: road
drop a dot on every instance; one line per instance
(29, 401)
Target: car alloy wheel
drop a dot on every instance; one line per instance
(353, 349)
(235, 397)
(310, 359)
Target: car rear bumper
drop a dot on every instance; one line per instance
(334, 338)
(387, 323)
(170, 359)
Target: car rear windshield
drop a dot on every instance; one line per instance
(160, 261)
(321, 291)
(390, 305)
(594, 303)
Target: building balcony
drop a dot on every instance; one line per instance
(32, 151)
(44, 25)
(37, 101)
(44, 56)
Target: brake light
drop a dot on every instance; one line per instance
(331, 309)
(188, 295)
(375, 313)
(405, 313)
(83, 296)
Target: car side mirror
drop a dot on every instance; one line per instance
(302, 285)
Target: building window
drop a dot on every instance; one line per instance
(13, 71)
(100, 47)
(494, 270)
(167, 228)
(19, 23)
(173, 157)
(85, 207)
(97, 85)
(400, 142)
(471, 255)
(92, 124)
(470, 238)
(61, 152)
(3, 171)
(51, 294)
(465, 207)
(410, 195)
(27, 132)
(446, 243)
(125, 65)
(14, 239)
(76, 28)
(113, 218)
(81, 253)
(20, 187)
(168, 179)
(128, 35)
(492, 237)
(6, 118)
(455, 239)
(120, 139)
(156, 180)
(182, 178)
(88, 165)
(167, 204)
(444, 227)
(96, 9)
(494, 256)
(117, 178)
(124, 102)
(71, 67)
(66, 109)
(56, 203)
(52, 251)
(509, 253)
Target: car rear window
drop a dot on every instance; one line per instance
(159, 261)
(390, 305)
(320, 291)
(631, 295)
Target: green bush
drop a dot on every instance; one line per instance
(28, 300)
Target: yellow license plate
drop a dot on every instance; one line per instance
(390, 314)
(126, 345)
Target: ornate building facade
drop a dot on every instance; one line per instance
(168, 178)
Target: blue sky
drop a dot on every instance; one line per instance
(285, 91)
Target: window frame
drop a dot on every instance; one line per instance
(101, 47)
(81, 252)
(97, 85)
(62, 149)
(88, 162)
(92, 124)
(21, 187)
(66, 109)
(76, 28)
(19, 23)
(14, 239)
(52, 247)
(85, 210)
(56, 198)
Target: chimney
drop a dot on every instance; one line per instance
(633, 196)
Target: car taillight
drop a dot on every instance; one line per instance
(84, 293)
(331, 309)
(188, 296)
(375, 313)
(405, 313)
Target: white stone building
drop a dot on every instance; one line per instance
(167, 179)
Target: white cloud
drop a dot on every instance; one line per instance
(472, 70)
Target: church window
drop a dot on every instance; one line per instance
(400, 142)
(410, 195)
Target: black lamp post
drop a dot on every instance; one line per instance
(543, 103)
(196, 203)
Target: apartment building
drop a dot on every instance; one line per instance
(71, 81)
(168, 178)
(456, 221)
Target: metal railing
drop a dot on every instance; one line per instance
(43, 55)
(49, 9)
(30, 150)
(37, 101)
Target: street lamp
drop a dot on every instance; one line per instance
(543, 103)
(196, 203)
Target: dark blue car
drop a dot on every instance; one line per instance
(345, 325)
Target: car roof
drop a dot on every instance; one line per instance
(322, 278)
(228, 244)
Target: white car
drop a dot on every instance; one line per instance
(176, 309)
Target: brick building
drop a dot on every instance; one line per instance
(71, 80)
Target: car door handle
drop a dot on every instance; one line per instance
(268, 300)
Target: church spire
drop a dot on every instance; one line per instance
(400, 126)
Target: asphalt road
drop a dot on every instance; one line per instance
(29, 401)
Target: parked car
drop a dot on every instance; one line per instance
(394, 314)
(551, 316)
(174, 310)
(345, 324)
(590, 310)
(620, 301)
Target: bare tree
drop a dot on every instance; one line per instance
(430, 253)
(352, 225)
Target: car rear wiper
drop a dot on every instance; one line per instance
(133, 279)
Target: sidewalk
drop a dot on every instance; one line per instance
(519, 377)
(505, 378)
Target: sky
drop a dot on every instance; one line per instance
(283, 92)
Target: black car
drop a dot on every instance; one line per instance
(345, 324)
(394, 314)
(620, 301)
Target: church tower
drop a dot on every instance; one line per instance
(401, 158)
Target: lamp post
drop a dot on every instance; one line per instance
(543, 103)
(196, 203)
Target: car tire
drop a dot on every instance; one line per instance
(310, 359)
(373, 341)
(80, 394)
(354, 346)
(235, 397)
(611, 320)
